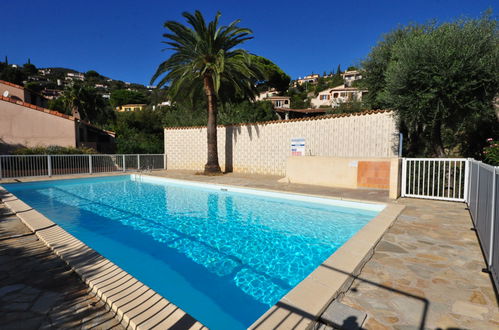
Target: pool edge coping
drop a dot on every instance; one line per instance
(300, 308)
(134, 304)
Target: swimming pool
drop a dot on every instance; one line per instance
(222, 254)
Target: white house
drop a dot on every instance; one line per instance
(333, 97)
(272, 96)
(350, 76)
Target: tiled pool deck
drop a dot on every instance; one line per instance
(425, 272)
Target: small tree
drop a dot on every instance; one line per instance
(441, 80)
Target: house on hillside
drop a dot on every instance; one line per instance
(310, 79)
(350, 76)
(75, 76)
(273, 96)
(130, 107)
(24, 123)
(333, 97)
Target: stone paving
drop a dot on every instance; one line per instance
(426, 273)
(38, 290)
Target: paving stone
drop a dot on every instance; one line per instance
(468, 309)
(45, 302)
(15, 307)
(10, 288)
(343, 316)
(390, 247)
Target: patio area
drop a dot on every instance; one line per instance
(38, 290)
(425, 272)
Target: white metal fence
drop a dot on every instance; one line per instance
(484, 208)
(18, 166)
(463, 180)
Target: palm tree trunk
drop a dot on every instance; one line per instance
(212, 166)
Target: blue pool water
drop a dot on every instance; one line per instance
(224, 257)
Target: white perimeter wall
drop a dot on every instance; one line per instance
(263, 148)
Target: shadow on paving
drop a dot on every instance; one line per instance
(38, 290)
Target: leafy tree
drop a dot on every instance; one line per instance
(376, 64)
(34, 86)
(83, 101)
(29, 69)
(204, 58)
(92, 74)
(139, 131)
(13, 75)
(58, 105)
(352, 68)
(247, 112)
(338, 69)
(441, 80)
(273, 75)
(123, 96)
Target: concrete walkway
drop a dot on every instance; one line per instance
(38, 290)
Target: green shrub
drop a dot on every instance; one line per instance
(53, 150)
(491, 152)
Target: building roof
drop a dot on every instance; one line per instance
(277, 98)
(339, 115)
(306, 111)
(35, 107)
(20, 87)
(50, 112)
(132, 105)
(342, 88)
(346, 73)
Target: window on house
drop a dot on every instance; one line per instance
(286, 102)
(335, 95)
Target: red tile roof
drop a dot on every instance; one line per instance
(309, 110)
(339, 115)
(35, 107)
(50, 112)
(11, 84)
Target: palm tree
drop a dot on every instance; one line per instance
(204, 58)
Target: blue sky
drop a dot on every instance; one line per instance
(122, 39)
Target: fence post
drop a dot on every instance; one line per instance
(492, 217)
(49, 165)
(478, 169)
(1, 158)
(124, 169)
(404, 176)
(466, 180)
(90, 164)
(138, 162)
(164, 161)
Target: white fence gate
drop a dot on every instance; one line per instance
(435, 178)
